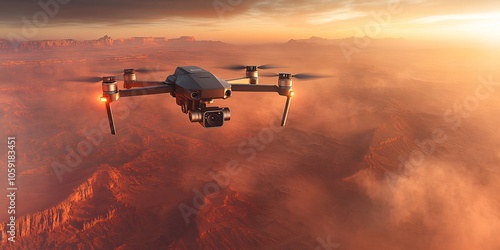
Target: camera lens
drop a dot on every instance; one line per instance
(214, 119)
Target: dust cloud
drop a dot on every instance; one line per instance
(394, 151)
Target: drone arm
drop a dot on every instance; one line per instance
(255, 88)
(114, 95)
(165, 88)
(268, 88)
(238, 80)
(141, 84)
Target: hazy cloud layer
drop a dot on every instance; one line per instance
(317, 179)
(132, 11)
(123, 11)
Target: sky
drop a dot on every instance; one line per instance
(251, 21)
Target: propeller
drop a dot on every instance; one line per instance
(138, 70)
(302, 76)
(88, 79)
(270, 66)
(241, 66)
(305, 76)
(149, 70)
(270, 75)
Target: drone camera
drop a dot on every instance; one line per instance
(210, 117)
(216, 117)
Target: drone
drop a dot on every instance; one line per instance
(194, 89)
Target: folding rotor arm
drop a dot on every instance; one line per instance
(284, 88)
(110, 93)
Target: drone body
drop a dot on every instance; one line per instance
(197, 84)
(194, 88)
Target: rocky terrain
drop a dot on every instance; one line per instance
(103, 43)
(359, 166)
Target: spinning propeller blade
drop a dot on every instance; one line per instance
(270, 66)
(149, 70)
(234, 67)
(138, 70)
(306, 76)
(241, 66)
(91, 79)
(270, 75)
(302, 76)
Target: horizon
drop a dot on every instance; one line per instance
(438, 43)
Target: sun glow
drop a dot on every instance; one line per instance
(480, 27)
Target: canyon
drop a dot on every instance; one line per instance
(397, 151)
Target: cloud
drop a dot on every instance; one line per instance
(237, 20)
(133, 11)
(114, 11)
(442, 200)
(335, 15)
(458, 17)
